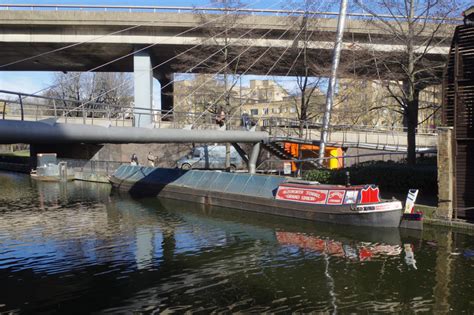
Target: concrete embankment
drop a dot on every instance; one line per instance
(15, 164)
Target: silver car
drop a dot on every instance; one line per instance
(210, 157)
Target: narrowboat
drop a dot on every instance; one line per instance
(343, 204)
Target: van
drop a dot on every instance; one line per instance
(210, 157)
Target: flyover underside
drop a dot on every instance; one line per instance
(99, 56)
(43, 133)
(114, 57)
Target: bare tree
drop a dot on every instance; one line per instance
(219, 55)
(419, 27)
(92, 91)
(305, 62)
(198, 94)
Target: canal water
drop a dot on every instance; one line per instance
(82, 248)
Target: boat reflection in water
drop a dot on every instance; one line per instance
(360, 251)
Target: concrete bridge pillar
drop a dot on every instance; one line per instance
(166, 79)
(143, 89)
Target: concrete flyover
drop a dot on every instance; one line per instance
(27, 32)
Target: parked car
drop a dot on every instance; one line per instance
(210, 157)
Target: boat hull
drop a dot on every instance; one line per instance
(342, 214)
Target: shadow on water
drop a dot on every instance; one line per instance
(143, 181)
(77, 248)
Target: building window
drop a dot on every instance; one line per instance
(254, 111)
(265, 111)
(275, 110)
(292, 110)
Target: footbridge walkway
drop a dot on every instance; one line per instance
(27, 118)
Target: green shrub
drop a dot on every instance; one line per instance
(389, 176)
(322, 176)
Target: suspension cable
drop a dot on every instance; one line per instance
(268, 72)
(136, 51)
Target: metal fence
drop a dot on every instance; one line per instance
(92, 166)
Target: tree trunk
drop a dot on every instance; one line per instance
(411, 115)
(411, 92)
(301, 129)
(411, 137)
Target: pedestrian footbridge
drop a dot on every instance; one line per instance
(34, 119)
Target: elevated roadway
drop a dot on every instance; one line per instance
(33, 30)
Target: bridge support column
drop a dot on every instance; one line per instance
(143, 89)
(254, 157)
(166, 80)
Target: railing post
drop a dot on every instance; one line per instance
(21, 108)
(4, 109)
(55, 110)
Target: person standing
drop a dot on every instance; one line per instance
(151, 159)
(245, 120)
(134, 159)
(220, 118)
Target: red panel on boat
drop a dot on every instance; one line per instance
(369, 194)
(336, 197)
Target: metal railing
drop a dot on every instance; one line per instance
(380, 138)
(22, 106)
(180, 9)
(92, 166)
(277, 166)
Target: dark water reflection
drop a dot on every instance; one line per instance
(78, 248)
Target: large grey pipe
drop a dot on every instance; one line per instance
(32, 132)
(332, 79)
(253, 158)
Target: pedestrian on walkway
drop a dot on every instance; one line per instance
(134, 159)
(151, 159)
(245, 120)
(220, 118)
